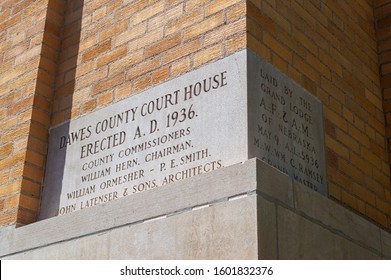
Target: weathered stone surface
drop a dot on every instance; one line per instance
(299, 238)
(230, 213)
(285, 125)
(223, 231)
(336, 216)
(385, 244)
(274, 184)
(182, 196)
(267, 229)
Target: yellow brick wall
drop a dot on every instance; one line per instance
(110, 49)
(330, 48)
(28, 54)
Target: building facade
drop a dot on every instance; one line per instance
(61, 60)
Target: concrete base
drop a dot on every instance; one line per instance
(245, 211)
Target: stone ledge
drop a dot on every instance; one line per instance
(251, 205)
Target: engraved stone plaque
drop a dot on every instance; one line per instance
(286, 126)
(221, 114)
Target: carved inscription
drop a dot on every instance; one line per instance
(119, 154)
(289, 129)
(224, 113)
(169, 133)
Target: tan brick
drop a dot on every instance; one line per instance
(4, 177)
(383, 206)
(337, 147)
(258, 47)
(33, 173)
(142, 68)
(27, 55)
(218, 5)
(171, 3)
(29, 202)
(141, 83)
(8, 217)
(236, 12)
(92, 77)
(364, 194)
(376, 215)
(264, 22)
(88, 106)
(207, 55)
(334, 191)
(14, 133)
(361, 137)
(99, 13)
(235, 43)
(114, 30)
(12, 74)
(181, 51)
(105, 98)
(31, 188)
(335, 119)
(111, 56)
(147, 39)
(163, 45)
(94, 5)
(26, 217)
(134, 7)
(346, 140)
(132, 33)
(122, 91)
(12, 201)
(16, 50)
(203, 27)
(81, 46)
(10, 22)
(96, 50)
(225, 32)
(37, 145)
(348, 199)
(79, 71)
(127, 62)
(186, 20)
(279, 49)
(160, 75)
(147, 13)
(35, 158)
(181, 66)
(307, 69)
(361, 164)
(193, 4)
(168, 15)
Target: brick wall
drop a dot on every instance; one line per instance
(130, 45)
(382, 9)
(28, 42)
(330, 48)
(112, 49)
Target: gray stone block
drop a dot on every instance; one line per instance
(299, 238)
(267, 229)
(336, 217)
(274, 184)
(224, 231)
(385, 244)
